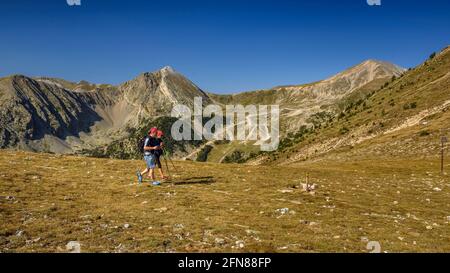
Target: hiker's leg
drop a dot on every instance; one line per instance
(152, 174)
(158, 164)
(147, 160)
(145, 171)
(151, 166)
(161, 173)
(147, 164)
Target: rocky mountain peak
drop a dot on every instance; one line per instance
(167, 70)
(370, 69)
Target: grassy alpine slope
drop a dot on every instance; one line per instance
(405, 117)
(48, 200)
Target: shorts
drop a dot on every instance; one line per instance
(158, 161)
(150, 161)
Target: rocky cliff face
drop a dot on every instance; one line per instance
(31, 109)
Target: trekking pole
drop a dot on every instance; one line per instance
(170, 159)
(167, 166)
(173, 165)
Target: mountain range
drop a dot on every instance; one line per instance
(59, 116)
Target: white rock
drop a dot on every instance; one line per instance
(283, 210)
(178, 226)
(163, 209)
(219, 241)
(240, 244)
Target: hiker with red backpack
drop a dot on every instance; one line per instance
(148, 146)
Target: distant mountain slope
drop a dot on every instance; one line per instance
(403, 118)
(31, 109)
(308, 105)
(299, 102)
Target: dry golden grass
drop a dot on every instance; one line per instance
(48, 200)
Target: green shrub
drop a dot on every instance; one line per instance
(235, 157)
(411, 105)
(203, 154)
(343, 130)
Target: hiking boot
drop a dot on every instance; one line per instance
(139, 175)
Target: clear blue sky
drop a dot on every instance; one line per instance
(223, 46)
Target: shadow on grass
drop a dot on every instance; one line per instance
(199, 177)
(195, 180)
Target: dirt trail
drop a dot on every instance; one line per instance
(416, 119)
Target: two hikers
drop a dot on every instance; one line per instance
(152, 148)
